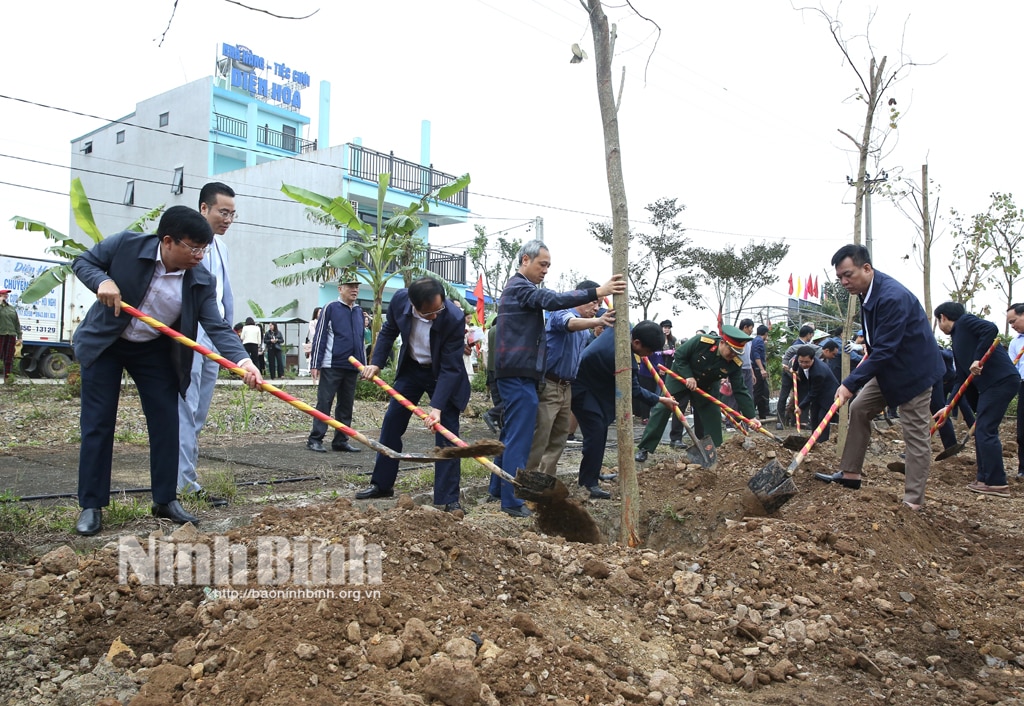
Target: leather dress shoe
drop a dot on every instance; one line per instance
(598, 493)
(677, 445)
(491, 423)
(521, 511)
(493, 498)
(374, 491)
(837, 477)
(608, 477)
(452, 507)
(641, 456)
(174, 512)
(89, 522)
(315, 445)
(345, 446)
(211, 500)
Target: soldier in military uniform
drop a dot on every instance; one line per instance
(702, 360)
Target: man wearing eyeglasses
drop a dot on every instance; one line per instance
(159, 274)
(217, 205)
(430, 361)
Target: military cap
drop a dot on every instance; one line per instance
(735, 337)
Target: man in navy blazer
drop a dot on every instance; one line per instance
(902, 364)
(995, 383)
(159, 274)
(430, 361)
(593, 394)
(816, 387)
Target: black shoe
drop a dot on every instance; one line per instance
(174, 512)
(452, 507)
(493, 498)
(211, 500)
(89, 522)
(641, 456)
(315, 445)
(346, 447)
(608, 477)
(677, 445)
(374, 491)
(521, 511)
(598, 493)
(491, 423)
(837, 477)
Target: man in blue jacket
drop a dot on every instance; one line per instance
(903, 363)
(430, 361)
(593, 396)
(996, 384)
(339, 334)
(520, 355)
(160, 275)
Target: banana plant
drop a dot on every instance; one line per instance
(66, 247)
(376, 254)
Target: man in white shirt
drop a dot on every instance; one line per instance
(217, 205)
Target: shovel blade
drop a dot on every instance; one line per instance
(772, 486)
(951, 451)
(794, 442)
(705, 454)
(897, 467)
(539, 487)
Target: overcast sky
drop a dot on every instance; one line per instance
(735, 112)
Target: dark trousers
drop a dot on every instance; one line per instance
(992, 404)
(7, 344)
(413, 381)
(150, 365)
(594, 428)
(963, 406)
(275, 360)
(761, 394)
(519, 396)
(946, 431)
(340, 382)
(785, 389)
(640, 408)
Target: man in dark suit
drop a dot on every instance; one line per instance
(903, 363)
(593, 396)
(815, 387)
(430, 361)
(158, 274)
(995, 383)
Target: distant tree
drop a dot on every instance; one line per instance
(495, 259)
(915, 202)
(972, 258)
(739, 276)
(1004, 224)
(659, 263)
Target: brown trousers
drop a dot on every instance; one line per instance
(915, 418)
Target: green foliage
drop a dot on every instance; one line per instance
(478, 383)
(68, 248)
(370, 391)
(383, 250)
(659, 263)
(737, 277)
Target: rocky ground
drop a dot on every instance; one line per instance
(839, 596)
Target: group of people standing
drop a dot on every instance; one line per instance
(549, 373)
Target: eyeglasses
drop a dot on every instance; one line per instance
(196, 252)
(427, 314)
(227, 215)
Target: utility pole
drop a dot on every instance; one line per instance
(538, 227)
(869, 185)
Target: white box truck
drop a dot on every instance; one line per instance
(48, 324)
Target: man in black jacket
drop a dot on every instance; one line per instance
(430, 361)
(996, 383)
(815, 387)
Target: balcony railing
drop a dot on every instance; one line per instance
(408, 176)
(448, 266)
(283, 140)
(231, 126)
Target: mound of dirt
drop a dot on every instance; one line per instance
(839, 596)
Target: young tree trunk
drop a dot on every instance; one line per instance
(926, 241)
(629, 533)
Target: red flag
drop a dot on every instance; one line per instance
(478, 292)
(817, 292)
(809, 290)
(790, 284)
